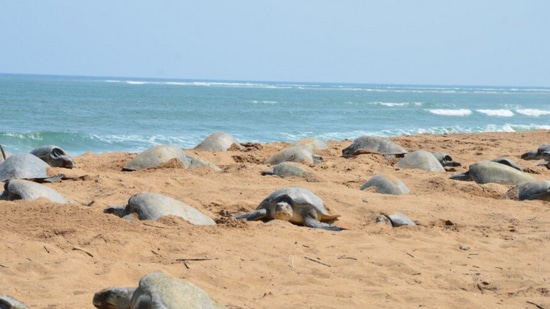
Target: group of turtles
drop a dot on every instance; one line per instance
(22, 174)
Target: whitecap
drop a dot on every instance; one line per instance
(496, 112)
(451, 112)
(533, 112)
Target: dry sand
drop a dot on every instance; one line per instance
(470, 249)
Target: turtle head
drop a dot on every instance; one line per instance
(114, 298)
(59, 158)
(283, 211)
(531, 155)
(116, 210)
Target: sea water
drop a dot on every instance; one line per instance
(103, 114)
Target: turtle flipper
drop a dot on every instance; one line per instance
(314, 223)
(253, 215)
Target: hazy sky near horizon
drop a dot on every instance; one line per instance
(482, 42)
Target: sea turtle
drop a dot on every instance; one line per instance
(151, 206)
(395, 220)
(19, 189)
(291, 169)
(543, 152)
(445, 159)
(421, 159)
(386, 184)
(298, 153)
(155, 156)
(219, 142)
(373, 144)
(531, 190)
(156, 291)
(313, 143)
(26, 166)
(54, 156)
(7, 302)
(295, 204)
(493, 172)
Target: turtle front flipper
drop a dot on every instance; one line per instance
(309, 221)
(253, 215)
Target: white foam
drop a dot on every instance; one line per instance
(451, 112)
(496, 112)
(533, 112)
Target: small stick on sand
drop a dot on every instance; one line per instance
(535, 304)
(314, 260)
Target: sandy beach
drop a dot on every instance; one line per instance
(470, 248)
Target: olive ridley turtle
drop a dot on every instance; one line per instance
(386, 184)
(298, 153)
(54, 156)
(543, 152)
(313, 143)
(151, 206)
(373, 144)
(17, 189)
(295, 204)
(421, 159)
(7, 302)
(445, 159)
(26, 166)
(156, 155)
(395, 220)
(291, 169)
(219, 141)
(156, 291)
(531, 190)
(493, 172)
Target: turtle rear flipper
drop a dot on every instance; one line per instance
(253, 215)
(462, 176)
(399, 219)
(314, 223)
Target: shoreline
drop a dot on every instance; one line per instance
(469, 249)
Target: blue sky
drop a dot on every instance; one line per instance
(431, 42)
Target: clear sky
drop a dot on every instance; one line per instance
(436, 42)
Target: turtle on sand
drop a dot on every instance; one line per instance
(295, 204)
(422, 160)
(155, 156)
(445, 159)
(151, 206)
(156, 291)
(19, 189)
(298, 153)
(26, 166)
(219, 142)
(374, 144)
(291, 169)
(543, 152)
(386, 184)
(531, 190)
(493, 172)
(395, 220)
(7, 302)
(313, 143)
(54, 156)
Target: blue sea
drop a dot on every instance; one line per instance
(105, 114)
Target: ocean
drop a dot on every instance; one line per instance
(105, 114)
